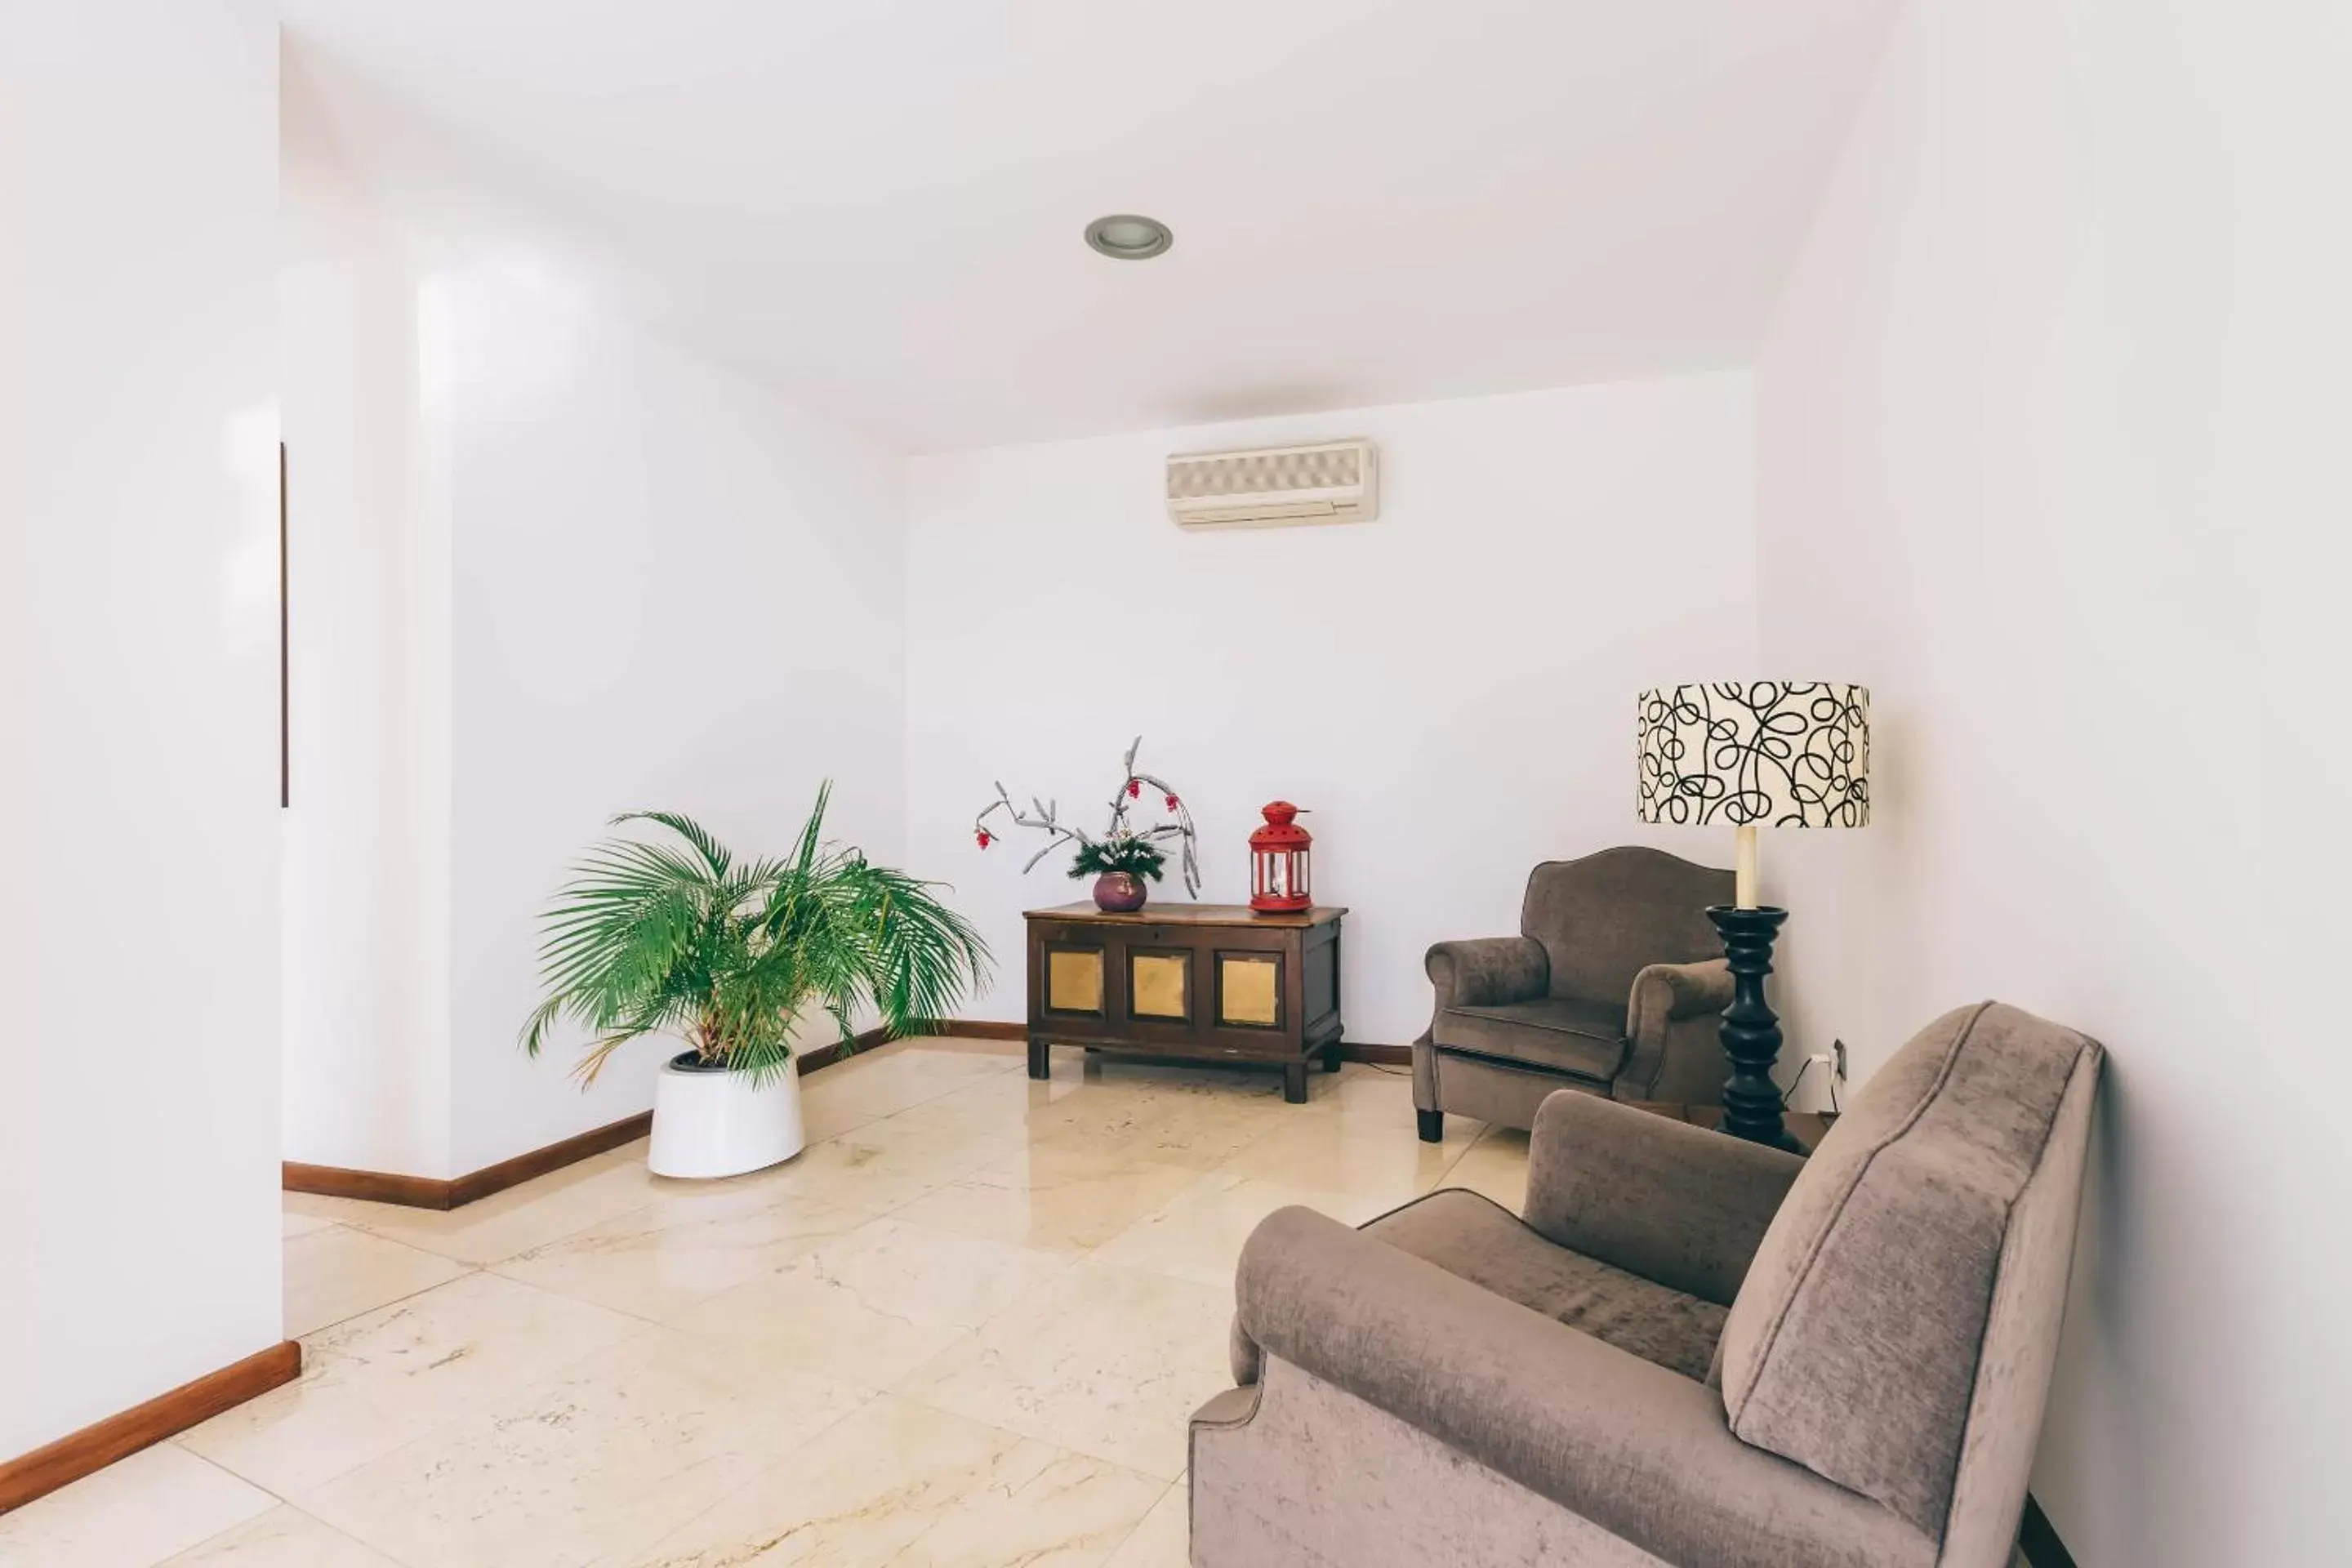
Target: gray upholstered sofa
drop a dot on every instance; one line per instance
(1614, 986)
(1692, 1351)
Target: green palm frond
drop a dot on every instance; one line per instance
(727, 955)
(714, 854)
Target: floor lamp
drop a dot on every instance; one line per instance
(1756, 753)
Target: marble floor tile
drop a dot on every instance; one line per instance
(938, 1059)
(1111, 1070)
(1060, 1199)
(874, 1303)
(1198, 1235)
(660, 1260)
(859, 1495)
(1073, 1514)
(1380, 1096)
(1103, 1361)
(597, 1462)
(1495, 1165)
(1084, 1092)
(500, 1227)
(1164, 1539)
(843, 1099)
(1008, 1102)
(1341, 1153)
(1165, 1124)
(298, 1207)
(136, 1511)
(375, 1381)
(291, 1221)
(285, 1537)
(890, 1078)
(336, 1272)
(885, 1165)
(1040, 1272)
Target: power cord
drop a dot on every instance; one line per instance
(1797, 1082)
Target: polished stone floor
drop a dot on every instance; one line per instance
(964, 1327)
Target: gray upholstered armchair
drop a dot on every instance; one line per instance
(1614, 986)
(1692, 1352)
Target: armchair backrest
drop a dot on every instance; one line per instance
(1897, 1329)
(1602, 917)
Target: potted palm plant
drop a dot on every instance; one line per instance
(680, 937)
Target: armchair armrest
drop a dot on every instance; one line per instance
(1487, 969)
(1642, 1452)
(1662, 1199)
(1667, 992)
(1685, 1061)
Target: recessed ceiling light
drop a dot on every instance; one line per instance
(1127, 238)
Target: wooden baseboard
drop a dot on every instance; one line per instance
(2038, 1541)
(438, 1193)
(476, 1185)
(984, 1029)
(367, 1186)
(824, 1056)
(450, 1193)
(78, 1454)
(1379, 1056)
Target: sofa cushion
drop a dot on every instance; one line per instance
(1853, 1346)
(1478, 1240)
(1586, 1038)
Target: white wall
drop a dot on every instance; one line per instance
(2050, 437)
(138, 622)
(546, 567)
(1449, 689)
(366, 877)
(673, 590)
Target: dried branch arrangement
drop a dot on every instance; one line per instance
(1121, 846)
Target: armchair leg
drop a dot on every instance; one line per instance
(1432, 1124)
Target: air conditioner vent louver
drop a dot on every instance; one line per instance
(1331, 481)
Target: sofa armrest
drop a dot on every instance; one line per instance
(1666, 995)
(1663, 1199)
(1642, 1452)
(1485, 971)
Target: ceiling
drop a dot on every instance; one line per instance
(876, 205)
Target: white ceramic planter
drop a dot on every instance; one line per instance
(717, 1124)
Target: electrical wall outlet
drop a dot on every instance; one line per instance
(1823, 1060)
(1837, 1068)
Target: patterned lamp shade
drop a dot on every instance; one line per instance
(1771, 754)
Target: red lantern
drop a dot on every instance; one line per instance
(1278, 869)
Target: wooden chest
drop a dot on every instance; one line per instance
(1207, 982)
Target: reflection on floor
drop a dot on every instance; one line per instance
(964, 1327)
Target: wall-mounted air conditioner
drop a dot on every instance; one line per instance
(1331, 481)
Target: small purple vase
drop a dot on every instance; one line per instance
(1119, 892)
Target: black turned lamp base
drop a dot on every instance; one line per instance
(1751, 1035)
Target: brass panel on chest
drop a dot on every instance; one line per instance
(1211, 983)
